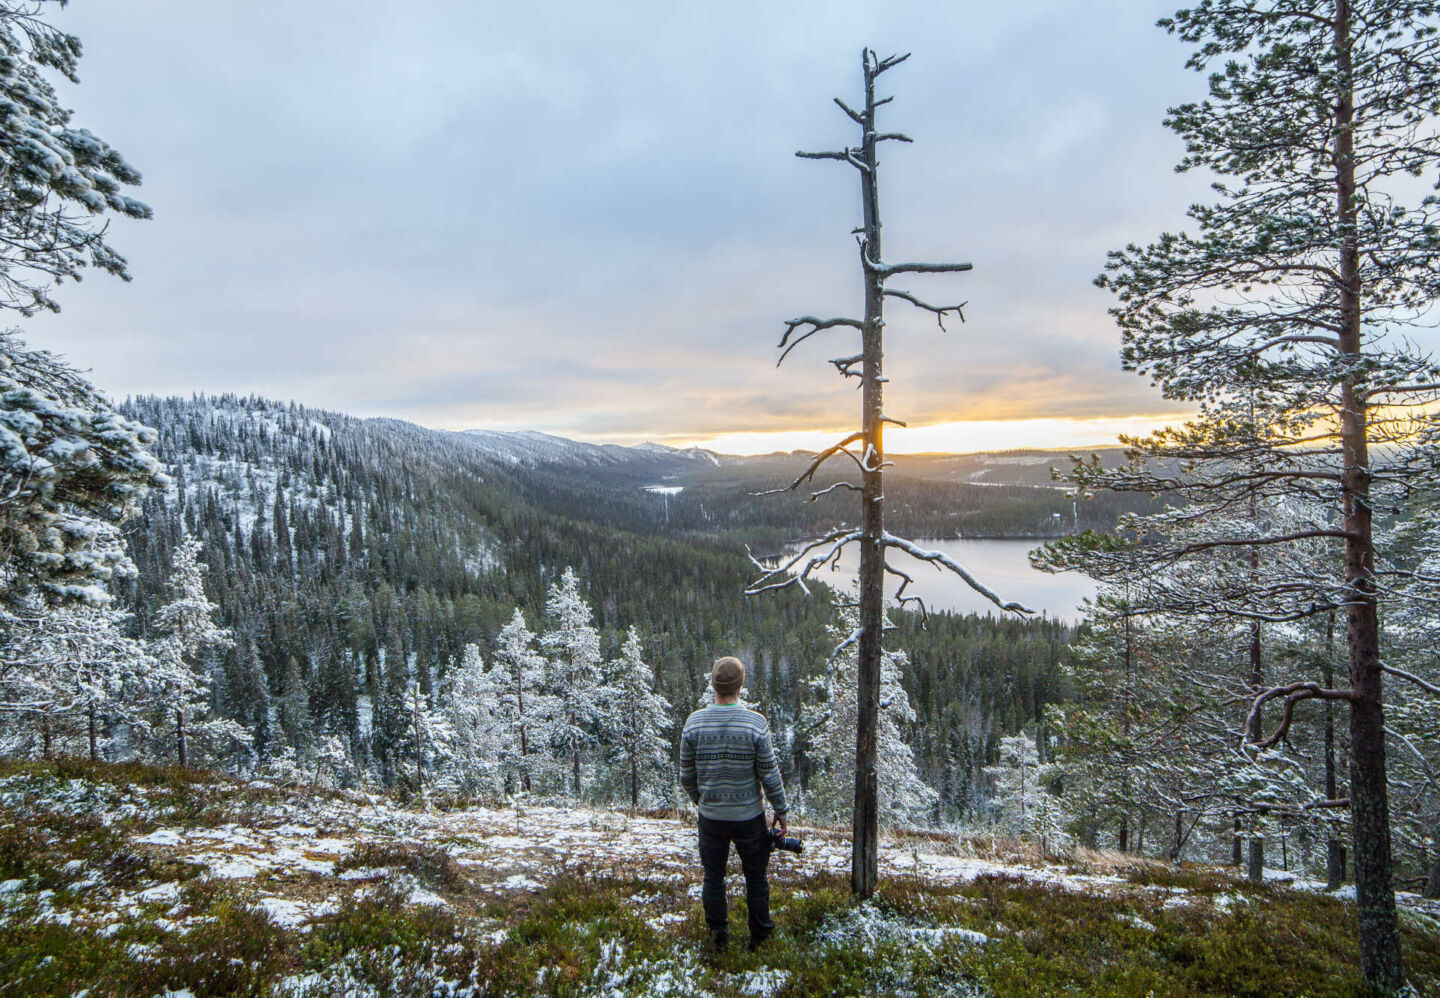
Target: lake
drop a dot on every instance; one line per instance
(1003, 565)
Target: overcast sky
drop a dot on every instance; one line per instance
(587, 218)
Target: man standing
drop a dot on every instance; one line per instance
(726, 760)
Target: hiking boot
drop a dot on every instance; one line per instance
(757, 941)
(719, 941)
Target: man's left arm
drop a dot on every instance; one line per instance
(768, 770)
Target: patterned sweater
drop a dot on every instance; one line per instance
(725, 761)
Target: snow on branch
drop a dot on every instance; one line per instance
(875, 65)
(846, 365)
(846, 155)
(850, 640)
(855, 115)
(900, 596)
(1293, 694)
(1411, 677)
(815, 325)
(941, 560)
(785, 574)
(939, 310)
(809, 473)
(884, 269)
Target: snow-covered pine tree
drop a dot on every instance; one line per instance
(572, 678)
(641, 747)
(59, 181)
(904, 797)
(475, 727)
(293, 708)
(63, 673)
(1025, 805)
(71, 469)
(424, 741)
(1301, 278)
(181, 680)
(522, 700)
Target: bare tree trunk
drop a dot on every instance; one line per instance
(1381, 966)
(1334, 847)
(524, 746)
(419, 748)
(1236, 857)
(864, 859)
(94, 734)
(46, 736)
(634, 783)
(575, 762)
(1256, 870)
(180, 746)
(871, 536)
(1123, 841)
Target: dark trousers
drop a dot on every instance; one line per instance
(749, 838)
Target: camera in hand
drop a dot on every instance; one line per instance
(778, 840)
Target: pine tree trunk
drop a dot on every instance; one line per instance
(1123, 843)
(46, 736)
(524, 746)
(1256, 866)
(1255, 869)
(1334, 848)
(94, 734)
(1380, 961)
(575, 769)
(1236, 857)
(864, 859)
(180, 746)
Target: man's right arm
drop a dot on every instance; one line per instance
(688, 779)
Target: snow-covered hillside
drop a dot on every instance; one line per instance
(534, 449)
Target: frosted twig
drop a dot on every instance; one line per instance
(816, 325)
(784, 575)
(814, 466)
(1293, 694)
(939, 310)
(942, 560)
(1410, 676)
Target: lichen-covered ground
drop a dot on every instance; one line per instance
(129, 880)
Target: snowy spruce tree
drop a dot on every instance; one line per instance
(573, 680)
(67, 677)
(523, 704)
(180, 682)
(640, 746)
(1024, 801)
(71, 470)
(905, 798)
(71, 467)
(473, 729)
(60, 182)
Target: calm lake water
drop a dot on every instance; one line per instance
(1004, 566)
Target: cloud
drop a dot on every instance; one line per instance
(588, 219)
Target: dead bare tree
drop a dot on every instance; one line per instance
(871, 536)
